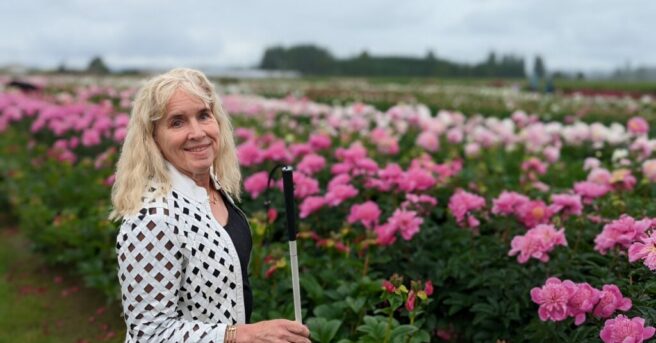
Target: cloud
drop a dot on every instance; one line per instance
(580, 34)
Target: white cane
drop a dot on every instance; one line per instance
(288, 188)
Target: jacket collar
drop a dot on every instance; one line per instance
(185, 185)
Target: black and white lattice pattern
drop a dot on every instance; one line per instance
(179, 273)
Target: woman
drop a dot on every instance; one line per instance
(183, 246)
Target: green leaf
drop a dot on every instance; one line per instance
(400, 333)
(322, 330)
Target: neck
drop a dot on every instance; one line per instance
(201, 180)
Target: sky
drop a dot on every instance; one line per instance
(570, 35)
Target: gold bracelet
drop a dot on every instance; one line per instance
(231, 334)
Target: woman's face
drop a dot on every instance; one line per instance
(188, 134)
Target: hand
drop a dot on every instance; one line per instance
(273, 331)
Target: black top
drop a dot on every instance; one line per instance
(240, 234)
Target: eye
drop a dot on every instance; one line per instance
(205, 115)
(176, 123)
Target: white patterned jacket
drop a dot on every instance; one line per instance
(179, 271)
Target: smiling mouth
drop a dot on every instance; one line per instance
(198, 148)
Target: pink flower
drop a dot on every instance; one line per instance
(244, 133)
(341, 179)
(355, 152)
(532, 213)
(311, 164)
(119, 134)
(339, 194)
(310, 205)
(388, 287)
(621, 329)
(319, 141)
(599, 176)
(566, 204)
(623, 232)
(644, 249)
(533, 164)
(537, 243)
(90, 137)
(462, 204)
(590, 190)
(649, 170)
(386, 234)
(341, 168)
(410, 302)
(249, 154)
(638, 126)
(256, 184)
(553, 298)
(454, 136)
(610, 300)
(508, 202)
(277, 152)
(407, 222)
(551, 154)
(591, 163)
(429, 141)
(416, 179)
(366, 213)
(582, 302)
(304, 185)
(298, 150)
(622, 179)
(428, 288)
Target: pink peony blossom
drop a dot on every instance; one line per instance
(582, 301)
(341, 179)
(454, 135)
(256, 184)
(277, 152)
(537, 243)
(649, 170)
(533, 212)
(622, 179)
(311, 164)
(551, 154)
(310, 205)
(410, 302)
(591, 163)
(366, 213)
(320, 141)
(590, 190)
(388, 286)
(304, 185)
(428, 288)
(599, 176)
(621, 329)
(416, 179)
(90, 137)
(355, 152)
(507, 202)
(249, 154)
(406, 222)
(386, 234)
(638, 125)
(610, 300)
(534, 165)
(623, 232)
(300, 149)
(644, 249)
(553, 298)
(339, 194)
(429, 141)
(341, 168)
(462, 203)
(568, 204)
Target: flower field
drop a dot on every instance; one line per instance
(419, 221)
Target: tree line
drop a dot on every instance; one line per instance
(313, 60)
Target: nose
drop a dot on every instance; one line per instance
(196, 130)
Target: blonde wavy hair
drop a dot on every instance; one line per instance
(141, 161)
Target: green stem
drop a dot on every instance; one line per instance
(388, 329)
